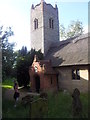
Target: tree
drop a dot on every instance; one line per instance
(74, 29)
(23, 52)
(62, 32)
(7, 51)
(22, 67)
(24, 60)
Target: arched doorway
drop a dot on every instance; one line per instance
(37, 83)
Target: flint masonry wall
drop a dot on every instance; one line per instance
(50, 35)
(37, 35)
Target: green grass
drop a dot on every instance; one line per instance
(8, 82)
(59, 106)
(9, 111)
(84, 100)
(7, 86)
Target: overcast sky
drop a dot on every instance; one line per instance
(16, 13)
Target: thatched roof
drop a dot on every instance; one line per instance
(72, 51)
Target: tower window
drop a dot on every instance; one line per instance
(76, 74)
(51, 23)
(35, 23)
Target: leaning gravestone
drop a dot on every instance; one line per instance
(39, 108)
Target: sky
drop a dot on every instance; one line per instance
(16, 14)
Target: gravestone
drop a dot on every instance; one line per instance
(76, 103)
(39, 108)
(43, 95)
(26, 100)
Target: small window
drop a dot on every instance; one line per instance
(35, 23)
(76, 74)
(51, 23)
(51, 80)
(36, 69)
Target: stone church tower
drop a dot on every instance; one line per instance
(44, 26)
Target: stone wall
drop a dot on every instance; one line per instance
(50, 35)
(37, 35)
(66, 81)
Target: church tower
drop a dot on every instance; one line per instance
(44, 26)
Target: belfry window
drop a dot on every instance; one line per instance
(35, 23)
(51, 23)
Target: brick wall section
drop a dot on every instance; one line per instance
(45, 79)
(44, 36)
(66, 82)
(47, 82)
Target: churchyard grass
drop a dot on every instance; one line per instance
(59, 106)
(8, 83)
(85, 104)
(9, 111)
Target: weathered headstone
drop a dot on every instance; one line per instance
(27, 99)
(39, 108)
(76, 103)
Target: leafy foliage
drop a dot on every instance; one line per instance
(15, 63)
(24, 60)
(62, 32)
(74, 29)
(8, 56)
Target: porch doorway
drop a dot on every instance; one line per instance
(37, 83)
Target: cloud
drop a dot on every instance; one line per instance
(10, 16)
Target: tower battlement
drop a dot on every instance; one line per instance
(43, 2)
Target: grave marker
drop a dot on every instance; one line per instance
(39, 108)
